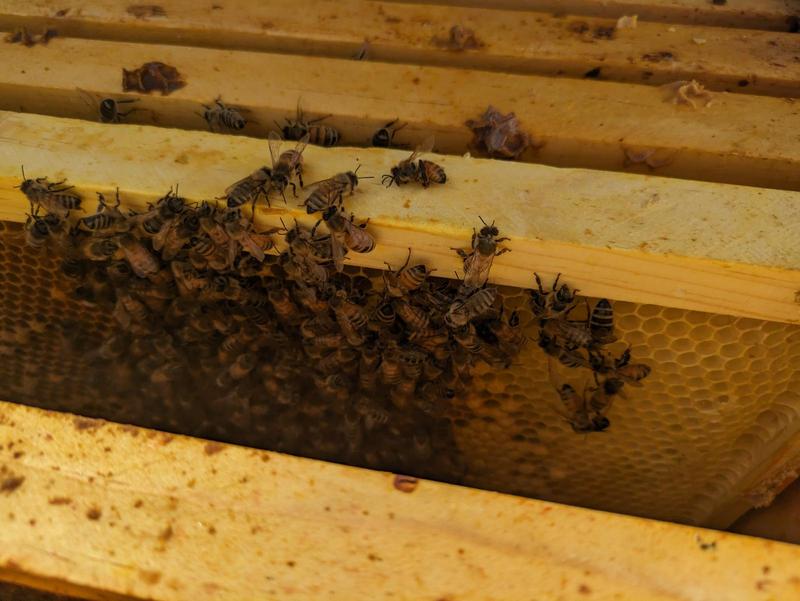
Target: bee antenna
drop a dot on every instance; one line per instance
(482, 221)
(23, 171)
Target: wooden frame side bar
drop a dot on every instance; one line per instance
(108, 511)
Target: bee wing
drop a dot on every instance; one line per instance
(476, 269)
(249, 245)
(274, 146)
(230, 188)
(161, 237)
(337, 251)
(425, 147)
(302, 143)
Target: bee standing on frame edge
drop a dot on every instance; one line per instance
(423, 172)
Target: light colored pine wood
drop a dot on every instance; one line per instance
(759, 62)
(741, 139)
(107, 511)
(776, 15)
(710, 247)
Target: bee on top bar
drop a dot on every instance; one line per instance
(478, 261)
(285, 164)
(421, 171)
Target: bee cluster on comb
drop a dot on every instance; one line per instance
(269, 338)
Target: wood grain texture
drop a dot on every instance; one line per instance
(742, 60)
(710, 247)
(106, 511)
(776, 15)
(739, 139)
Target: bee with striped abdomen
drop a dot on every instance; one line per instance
(423, 172)
(406, 279)
(248, 189)
(478, 261)
(579, 414)
(345, 235)
(319, 135)
(463, 310)
(54, 197)
(285, 164)
(331, 191)
(601, 322)
(40, 230)
(107, 220)
(220, 116)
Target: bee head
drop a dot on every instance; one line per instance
(238, 123)
(600, 423)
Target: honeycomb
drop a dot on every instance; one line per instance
(720, 390)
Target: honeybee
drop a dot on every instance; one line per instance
(284, 306)
(108, 219)
(222, 116)
(141, 260)
(603, 395)
(319, 135)
(187, 278)
(348, 312)
(248, 189)
(619, 369)
(384, 137)
(573, 334)
(108, 108)
(175, 237)
(406, 279)
(461, 311)
(385, 315)
(478, 261)
(344, 235)
(284, 164)
(555, 303)
(39, 230)
(330, 191)
(568, 357)
(243, 365)
(601, 322)
(391, 369)
(54, 197)
(467, 337)
(415, 318)
(101, 249)
(509, 334)
(580, 416)
(424, 172)
(158, 218)
(204, 253)
(239, 228)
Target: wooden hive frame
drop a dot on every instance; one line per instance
(631, 237)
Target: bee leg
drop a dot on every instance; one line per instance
(502, 251)
(474, 235)
(501, 239)
(294, 191)
(299, 173)
(460, 252)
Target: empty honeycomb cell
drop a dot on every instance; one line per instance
(658, 341)
(644, 311)
(628, 323)
(682, 344)
(688, 359)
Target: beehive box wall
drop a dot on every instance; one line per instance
(720, 390)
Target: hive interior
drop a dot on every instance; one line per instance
(720, 390)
